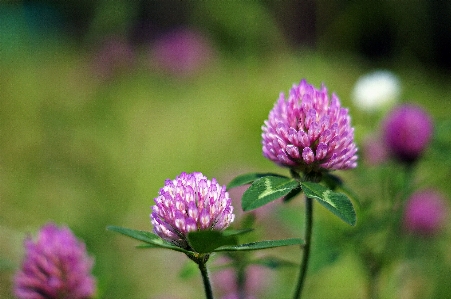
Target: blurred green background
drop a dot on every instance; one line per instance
(93, 120)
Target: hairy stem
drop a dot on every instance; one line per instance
(206, 280)
(306, 247)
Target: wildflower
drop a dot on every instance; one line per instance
(425, 213)
(189, 203)
(407, 131)
(181, 52)
(55, 266)
(376, 90)
(307, 132)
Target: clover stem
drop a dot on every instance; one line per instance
(206, 280)
(306, 247)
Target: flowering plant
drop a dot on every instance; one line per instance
(190, 215)
(307, 133)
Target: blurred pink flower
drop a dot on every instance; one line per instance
(425, 213)
(180, 53)
(407, 130)
(55, 266)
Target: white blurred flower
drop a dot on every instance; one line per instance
(376, 90)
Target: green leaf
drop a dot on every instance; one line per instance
(337, 203)
(292, 194)
(236, 232)
(334, 182)
(248, 178)
(261, 245)
(265, 190)
(207, 241)
(151, 240)
(147, 246)
(273, 262)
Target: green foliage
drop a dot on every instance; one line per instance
(207, 241)
(337, 203)
(249, 178)
(236, 232)
(151, 240)
(292, 194)
(336, 183)
(204, 241)
(273, 262)
(261, 245)
(265, 190)
(268, 187)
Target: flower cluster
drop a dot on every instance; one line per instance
(189, 203)
(308, 132)
(55, 266)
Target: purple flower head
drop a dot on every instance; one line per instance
(425, 213)
(189, 203)
(407, 131)
(309, 132)
(55, 266)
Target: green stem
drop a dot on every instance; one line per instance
(206, 280)
(373, 289)
(241, 282)
(408, 178)
(373, 270)
(306, 247)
